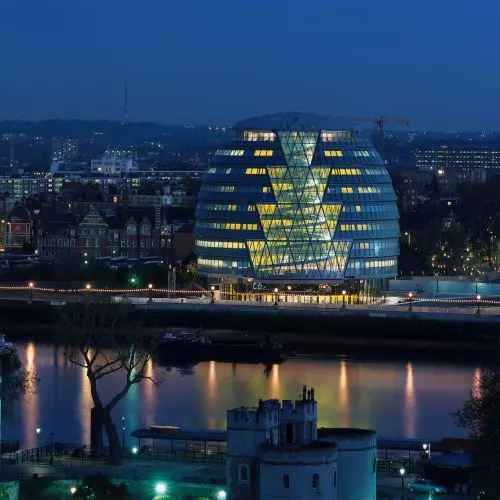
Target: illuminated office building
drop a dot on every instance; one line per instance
(457, 158)
(297, 199)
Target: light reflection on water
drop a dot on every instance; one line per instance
(399, 400)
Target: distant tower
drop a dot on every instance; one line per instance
(125, 105)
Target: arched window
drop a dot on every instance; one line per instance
(286, 481)
(334, 478)
(244, 473)
(315, 481)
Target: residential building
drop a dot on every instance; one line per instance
(113, 163)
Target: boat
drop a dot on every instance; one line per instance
(194, 347)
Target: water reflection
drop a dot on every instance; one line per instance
(275, 386)
(410, 404)
(343, 394)
(476, 379)
(86, 404)
(30, 405)
(399, 400)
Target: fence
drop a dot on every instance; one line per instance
(78, 455)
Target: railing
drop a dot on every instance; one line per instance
(71, 455)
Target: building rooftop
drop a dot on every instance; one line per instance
(343, 431)
(290, 448)
(295, 121)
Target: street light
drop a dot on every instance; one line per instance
(72, 490)
(427, 449)
(160, 488)
(88, 286)
(135, 450)
(38, 430)
(221, 495)
(478, 298)
(402, 472)
(150, 286)
(410, 297)
(212, 292)
(344, 293)
(31, 285)
(276, 296)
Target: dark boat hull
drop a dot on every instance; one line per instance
(195, 353)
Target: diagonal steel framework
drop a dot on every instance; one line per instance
(299, 229)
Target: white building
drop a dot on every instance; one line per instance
(113, 164)
(273, 452)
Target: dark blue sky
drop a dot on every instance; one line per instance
(216, 61)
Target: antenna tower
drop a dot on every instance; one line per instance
(125, 105)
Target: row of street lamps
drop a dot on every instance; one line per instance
(410, 298)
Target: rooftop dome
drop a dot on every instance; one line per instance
(295, 121)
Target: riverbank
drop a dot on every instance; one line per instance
(311, 332)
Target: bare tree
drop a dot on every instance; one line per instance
(106, 340)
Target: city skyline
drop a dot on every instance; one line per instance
(215, 67)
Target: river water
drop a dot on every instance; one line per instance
(397, 399)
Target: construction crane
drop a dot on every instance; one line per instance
(380, 121)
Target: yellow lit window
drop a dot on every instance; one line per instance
(250, 135)
(255, 171)
(334, 153)
(263, 152)
(358, 208)
(265, 189)
(347, 190)
(364, 245)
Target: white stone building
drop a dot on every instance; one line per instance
(273, 453)
(113, 164)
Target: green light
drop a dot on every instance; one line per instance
(160, 488)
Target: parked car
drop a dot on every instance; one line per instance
(426, 486)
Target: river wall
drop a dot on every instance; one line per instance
(313, 331)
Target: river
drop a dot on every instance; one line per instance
(397, 399)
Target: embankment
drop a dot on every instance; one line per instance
(311, 331)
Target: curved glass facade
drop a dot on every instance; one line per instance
(294, 200)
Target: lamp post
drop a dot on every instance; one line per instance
(212, 295)
(72, 490)
(88, 287)
(478, 298)
(123, 432)
(276, 296)
(31, 285)
(410, 297)
(150, 286)
(51, 460)
(38, 430)
(427, 450)
(402, 472)
(344, 293)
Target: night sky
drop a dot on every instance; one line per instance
(433, 61)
